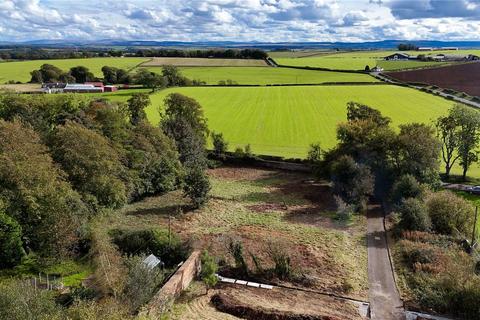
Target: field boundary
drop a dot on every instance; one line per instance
(323, 69)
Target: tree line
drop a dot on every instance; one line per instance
(170, 76)
(66, 159)
(29, 53)
(210, 53)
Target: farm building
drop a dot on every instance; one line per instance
(82, 88)
(110, 89)
(400, 56)
(425, 49)
(53, 87)
(456, 57)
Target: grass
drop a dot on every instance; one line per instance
(284, 121)
(20, 70)
(205, 62)
(359, 59)
(398, 65)
(318, 244)
(264, 76)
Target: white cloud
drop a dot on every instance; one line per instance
(243, 20)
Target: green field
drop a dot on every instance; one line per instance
(20, 70)
(398, 65)
(359, 59)
(286, 120)
(269, 75)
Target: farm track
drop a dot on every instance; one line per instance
(385, 301)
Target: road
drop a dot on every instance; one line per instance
(385, 302)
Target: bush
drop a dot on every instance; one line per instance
(352, 181)
(19, 300)
(406, 187)
(142, 282)
(171, 250)
(197, 186)
(344, 211)
(278, 253)
(209, 270)
(220, 146)
(414, 215)
(449, 213)
(11, 250)
(235, 248)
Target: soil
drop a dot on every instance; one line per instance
(281, 304)
(459, 77)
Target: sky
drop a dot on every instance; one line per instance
(240, 20)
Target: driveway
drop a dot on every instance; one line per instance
(385, 302)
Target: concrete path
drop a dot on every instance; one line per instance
(385, 302)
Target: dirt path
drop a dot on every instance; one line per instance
(385, 302)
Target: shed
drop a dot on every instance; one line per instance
(110, 89)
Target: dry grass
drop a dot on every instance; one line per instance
(257, 207)
(26, 87)
(204, 62)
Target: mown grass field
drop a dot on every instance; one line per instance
(286, 120)
(20, 70)
(268, 75)
(204, 62)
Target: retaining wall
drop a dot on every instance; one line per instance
(180, 280)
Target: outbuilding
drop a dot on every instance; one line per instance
(399, 56)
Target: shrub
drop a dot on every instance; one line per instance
(278, 253)
(406, 187)
(449, 213)
(141, 283)
(170, 249)
(209, 270)
(414, 215)
(11, 250)
(315, 157)
(197, 186)
(352, 181)
(344, 211)
(20, 300)
(220, 146)
(235, 248)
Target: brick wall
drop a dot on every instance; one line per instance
(165, 297)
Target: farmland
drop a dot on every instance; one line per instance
(268, 75)
(20, 71)
(462, 77)
(204, 62)
(359, 59)
(286, 120)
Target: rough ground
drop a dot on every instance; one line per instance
(194, 304)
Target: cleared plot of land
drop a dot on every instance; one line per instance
(259, 207)
(286, 120)
(20, 70)
(264, 76)
(204, 62)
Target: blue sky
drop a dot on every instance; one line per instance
(240, 20)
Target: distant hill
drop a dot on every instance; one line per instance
(385, 44)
